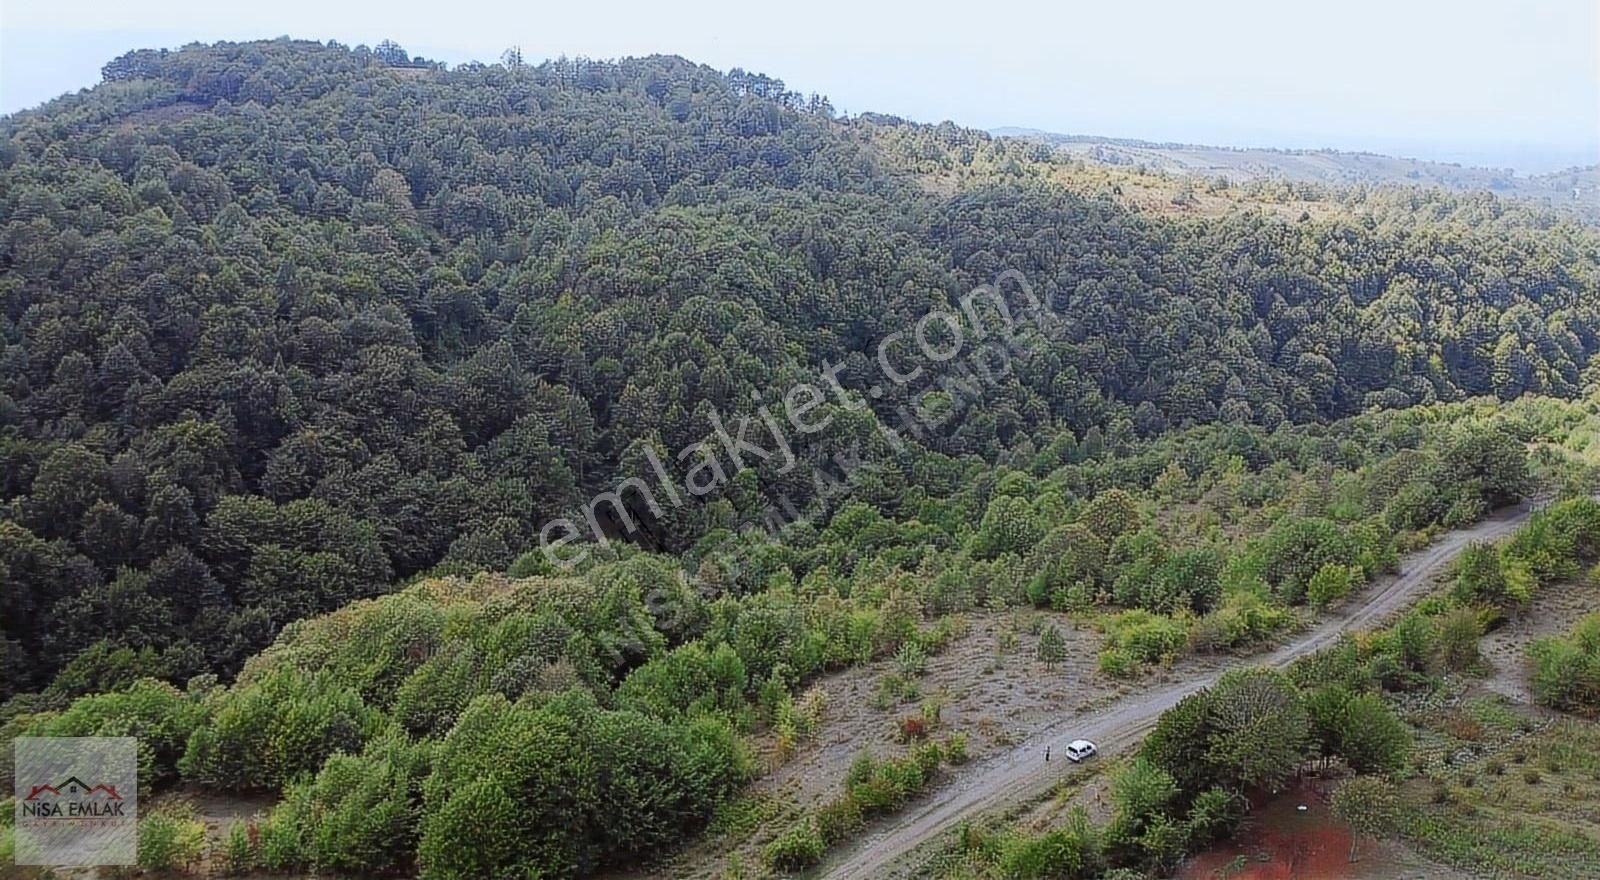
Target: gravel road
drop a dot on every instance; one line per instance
(1021, 774)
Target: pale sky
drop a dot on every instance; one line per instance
(1480, 81)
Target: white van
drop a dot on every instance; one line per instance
(1081, 750)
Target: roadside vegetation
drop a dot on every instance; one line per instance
(1470, 780)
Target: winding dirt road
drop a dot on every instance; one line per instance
(1021, 774)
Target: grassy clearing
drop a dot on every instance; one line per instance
(1498, 791)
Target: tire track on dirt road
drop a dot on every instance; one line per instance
(1021, 774)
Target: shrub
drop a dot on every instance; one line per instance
(1110, 514)
(1052, 648)
(883, 786)
(158, 714)
(1187, 580)
(1295, 550)
(356, 814)
(1117, 663)
(1483, 575)
(838, 819)
(574, 767)
(171, 838)
(1214, 815)
(1371, 737)
(1145, 637)
(266, 732)
(431, 697)
(1330, 584)
(1457, 636)
(911, 659)
(1566, 671)
(1246, 617)
(1009, 526)
(687, 680)
(477, 832)
(955, 749)
(912, 728)
(1066, 853)
(242, 852)
(796, 849)
(8, 838)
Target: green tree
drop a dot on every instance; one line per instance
(1052, 650)
(1372, 738)
(1008, 526)
(1370, 805)
(1259, 730)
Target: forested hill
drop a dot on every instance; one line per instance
(282, 324)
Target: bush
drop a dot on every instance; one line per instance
(1330, 584)
(883, 786)
(1065, 854)
(838, 819)
(242, 851)
(1295, 550)
(1483, 576)
(687, 680)
(477, 832)
(431, 697)
(1246, 617)
(1214, 815)
(1566, 671)
(171, 838)
(912, 728)
(1187, 580)
(796, 849)
(356, 814)
(264, 733)
(576, 770)
(1145, 637)
(281, 846)
(1457, 636)
(955, 749)
(1117, 663)
(911, 659)
(158, 714)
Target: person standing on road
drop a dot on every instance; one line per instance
(1047, 754)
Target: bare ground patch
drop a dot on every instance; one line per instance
(991, 687)
(1553, 611)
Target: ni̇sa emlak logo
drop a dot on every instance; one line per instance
(72, 798)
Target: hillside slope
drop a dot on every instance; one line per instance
(285, 323)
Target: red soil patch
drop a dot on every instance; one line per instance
(1280, 841)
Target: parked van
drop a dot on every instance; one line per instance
(1081, 750)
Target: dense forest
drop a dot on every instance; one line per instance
(284, 323)
(285, 326)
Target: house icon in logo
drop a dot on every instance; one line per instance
(73, 786)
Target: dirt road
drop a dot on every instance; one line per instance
(1022, 774)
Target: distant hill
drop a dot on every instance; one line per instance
(1577, 189)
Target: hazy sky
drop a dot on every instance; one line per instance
(1485, 81)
